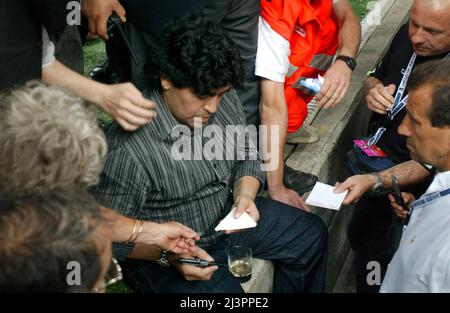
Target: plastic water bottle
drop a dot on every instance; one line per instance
(313, 84)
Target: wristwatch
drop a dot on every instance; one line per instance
(163, 260)
(378, 184)
(351, 62)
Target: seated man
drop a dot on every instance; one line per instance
(50, 139)
(192, 82)
(421, 263)
(73, 253)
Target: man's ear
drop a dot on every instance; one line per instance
(165, 83)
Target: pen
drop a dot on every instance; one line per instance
(199, 262)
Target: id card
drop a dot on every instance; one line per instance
(372, 151)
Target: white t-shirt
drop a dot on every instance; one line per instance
(48, 49)
(422, 261)
(272, 57)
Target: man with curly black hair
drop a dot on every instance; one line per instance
(181, 168)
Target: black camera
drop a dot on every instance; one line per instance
(114, 24)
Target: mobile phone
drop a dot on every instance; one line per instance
(199, 262)
(397, 193)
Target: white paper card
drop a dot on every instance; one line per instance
(323, 196)
(231, 223)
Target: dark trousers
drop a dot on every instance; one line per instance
(294, 240)
(374, 233)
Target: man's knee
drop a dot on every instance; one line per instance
(314, 232)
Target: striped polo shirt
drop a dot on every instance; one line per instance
(165, 171)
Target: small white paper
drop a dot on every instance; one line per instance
(323, 196)
(231, 223)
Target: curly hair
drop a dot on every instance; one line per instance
(195, 53)
(49, 138)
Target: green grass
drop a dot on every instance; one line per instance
(94, 54)
(119, 287)
(360, 7)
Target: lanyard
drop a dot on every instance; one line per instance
(426, 200)
(399, 100)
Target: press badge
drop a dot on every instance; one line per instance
(372, 151)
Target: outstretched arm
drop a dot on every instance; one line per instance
(123, 102)
(407, 173)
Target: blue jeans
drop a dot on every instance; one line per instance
(294, 240)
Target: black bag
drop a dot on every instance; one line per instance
(360, 163)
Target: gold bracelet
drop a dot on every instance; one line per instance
(139, 232)
(132, 233)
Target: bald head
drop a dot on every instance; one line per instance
(429, 27)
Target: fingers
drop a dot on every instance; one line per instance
(128, 107)
(380, 98)
(401, 214)
(298, 202)
(328, 95)
(202, 254)
(398, 210)
(134, 119)
(181, 248)
(303, 205)
(391, 89)
(323, 91)
(196, 273)
(336, 95)
(374, 106)
(188, 233)
(343, 91)
(408, 197)
(120, 11)
(92, 26)
(351, 197)
(229, 232)
(184, 246)
(100, 27)
(342, 187)
(240, 209)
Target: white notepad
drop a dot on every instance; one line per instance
(231, 223)
(323, 196)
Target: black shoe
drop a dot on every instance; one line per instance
(299, 181)
(101, 73)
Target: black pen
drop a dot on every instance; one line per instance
(199, 262)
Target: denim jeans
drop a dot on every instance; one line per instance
(294, 240)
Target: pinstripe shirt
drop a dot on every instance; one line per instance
(143, 176)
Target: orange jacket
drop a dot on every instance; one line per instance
(312, 32)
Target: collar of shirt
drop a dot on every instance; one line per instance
(441, 181)
(438, 188)
(165, 122)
